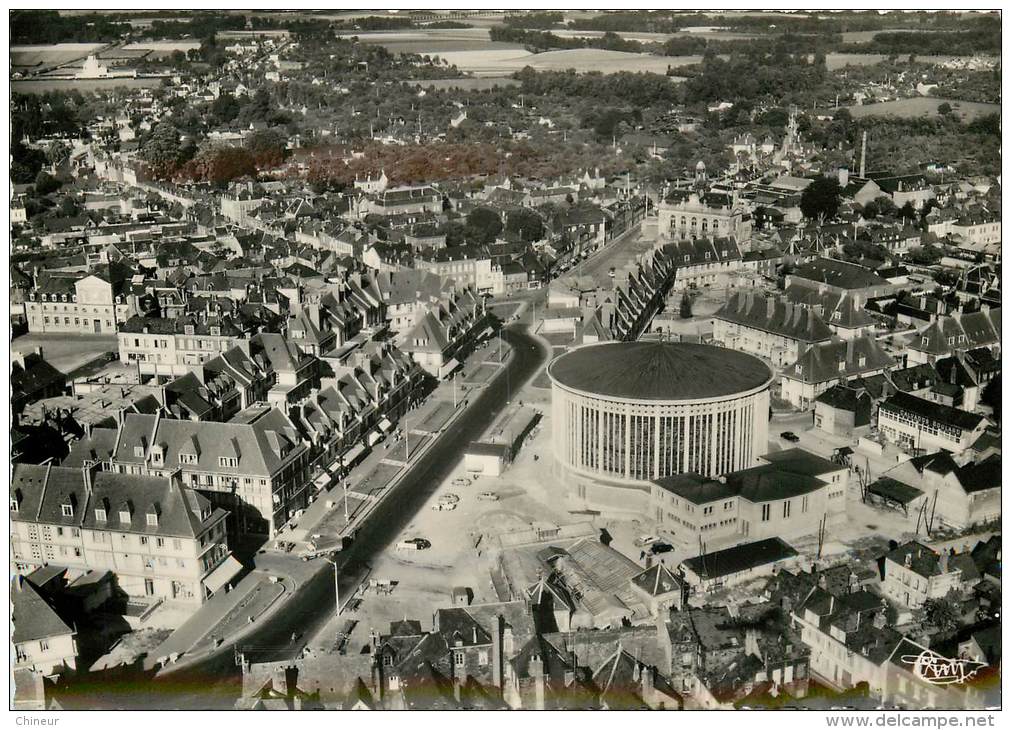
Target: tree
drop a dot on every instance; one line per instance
(225, 108)
(46, 183)
(162, 150)
(69, 207)
(820, 199)
(942, 613)
(526, 223)
(685, 309)
(907, 212)
(483, 225)
(944, 108)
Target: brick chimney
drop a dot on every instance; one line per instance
(849, 351)
(536, 671)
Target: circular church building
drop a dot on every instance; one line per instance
(625, 413)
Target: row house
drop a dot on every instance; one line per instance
(768, 327)
(159, 538)
(255, 466)
(947, 335)
(445, 331)
(825, 364)
(347, 416)
(159, 346)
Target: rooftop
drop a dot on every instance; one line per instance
(662, 371)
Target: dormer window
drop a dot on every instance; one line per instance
(863, 361)
(228, 461)
(16, 500)
(836, 315)
(842, 366)
(188, 329)
(153, 513)
(187, 458)
(924, 341)
(215, 331)
(138, 451)
(68, 509)
(45, 297)
(100, 514)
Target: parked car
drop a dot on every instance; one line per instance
(488, 496)
(449, 498)
(461, 482)
(444, 506)
(660, 547)
(414, 543)
(644, 540)
(789, 436)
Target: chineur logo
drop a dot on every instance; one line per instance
(936, 669)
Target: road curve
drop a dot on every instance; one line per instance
(215, 682)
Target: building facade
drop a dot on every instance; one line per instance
(628, 413)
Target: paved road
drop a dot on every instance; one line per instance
(215, 682)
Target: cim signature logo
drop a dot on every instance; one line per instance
(936, 669)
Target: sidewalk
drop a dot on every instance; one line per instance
(225, 616)
(379, 472)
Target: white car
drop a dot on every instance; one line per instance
(488, 496)
(644, 540)
(449, 498)
(444, 506)
(461, 482)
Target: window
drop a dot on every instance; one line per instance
(68, 510)
(43, 645)
(766, 510)
(187, 458)
(786, 509)
(177, 545)
(160, 542)
(152, 519)
(803, 504)
(458, 658)
(482, 658)
(228, 461)
(143, 540)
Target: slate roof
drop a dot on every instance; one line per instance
(181, 512)
(261, 447)
(773, 315)
(696, 488)
(934, 412)
(838, 273)
(740, 558)
(653, 370)
(820, 362)
(34, 618)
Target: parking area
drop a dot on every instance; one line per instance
(67, 352)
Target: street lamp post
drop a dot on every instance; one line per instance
(336, 586)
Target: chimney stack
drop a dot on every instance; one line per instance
(863, 155)
(849, 351)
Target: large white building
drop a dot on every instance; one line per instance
(626, 413)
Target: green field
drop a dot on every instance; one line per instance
(924, 106)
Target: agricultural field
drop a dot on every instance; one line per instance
(924, 106)
(43, 85)
(468, 84)
(51, 55)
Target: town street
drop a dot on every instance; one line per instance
(214, 682)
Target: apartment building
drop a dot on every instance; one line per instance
(44, 644)
(255, 466)
(768, 327)
(88, 305)
(160, 539)
(170, 347)
(915, 573)
(825, 364)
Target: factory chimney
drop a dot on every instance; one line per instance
(863, 155)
